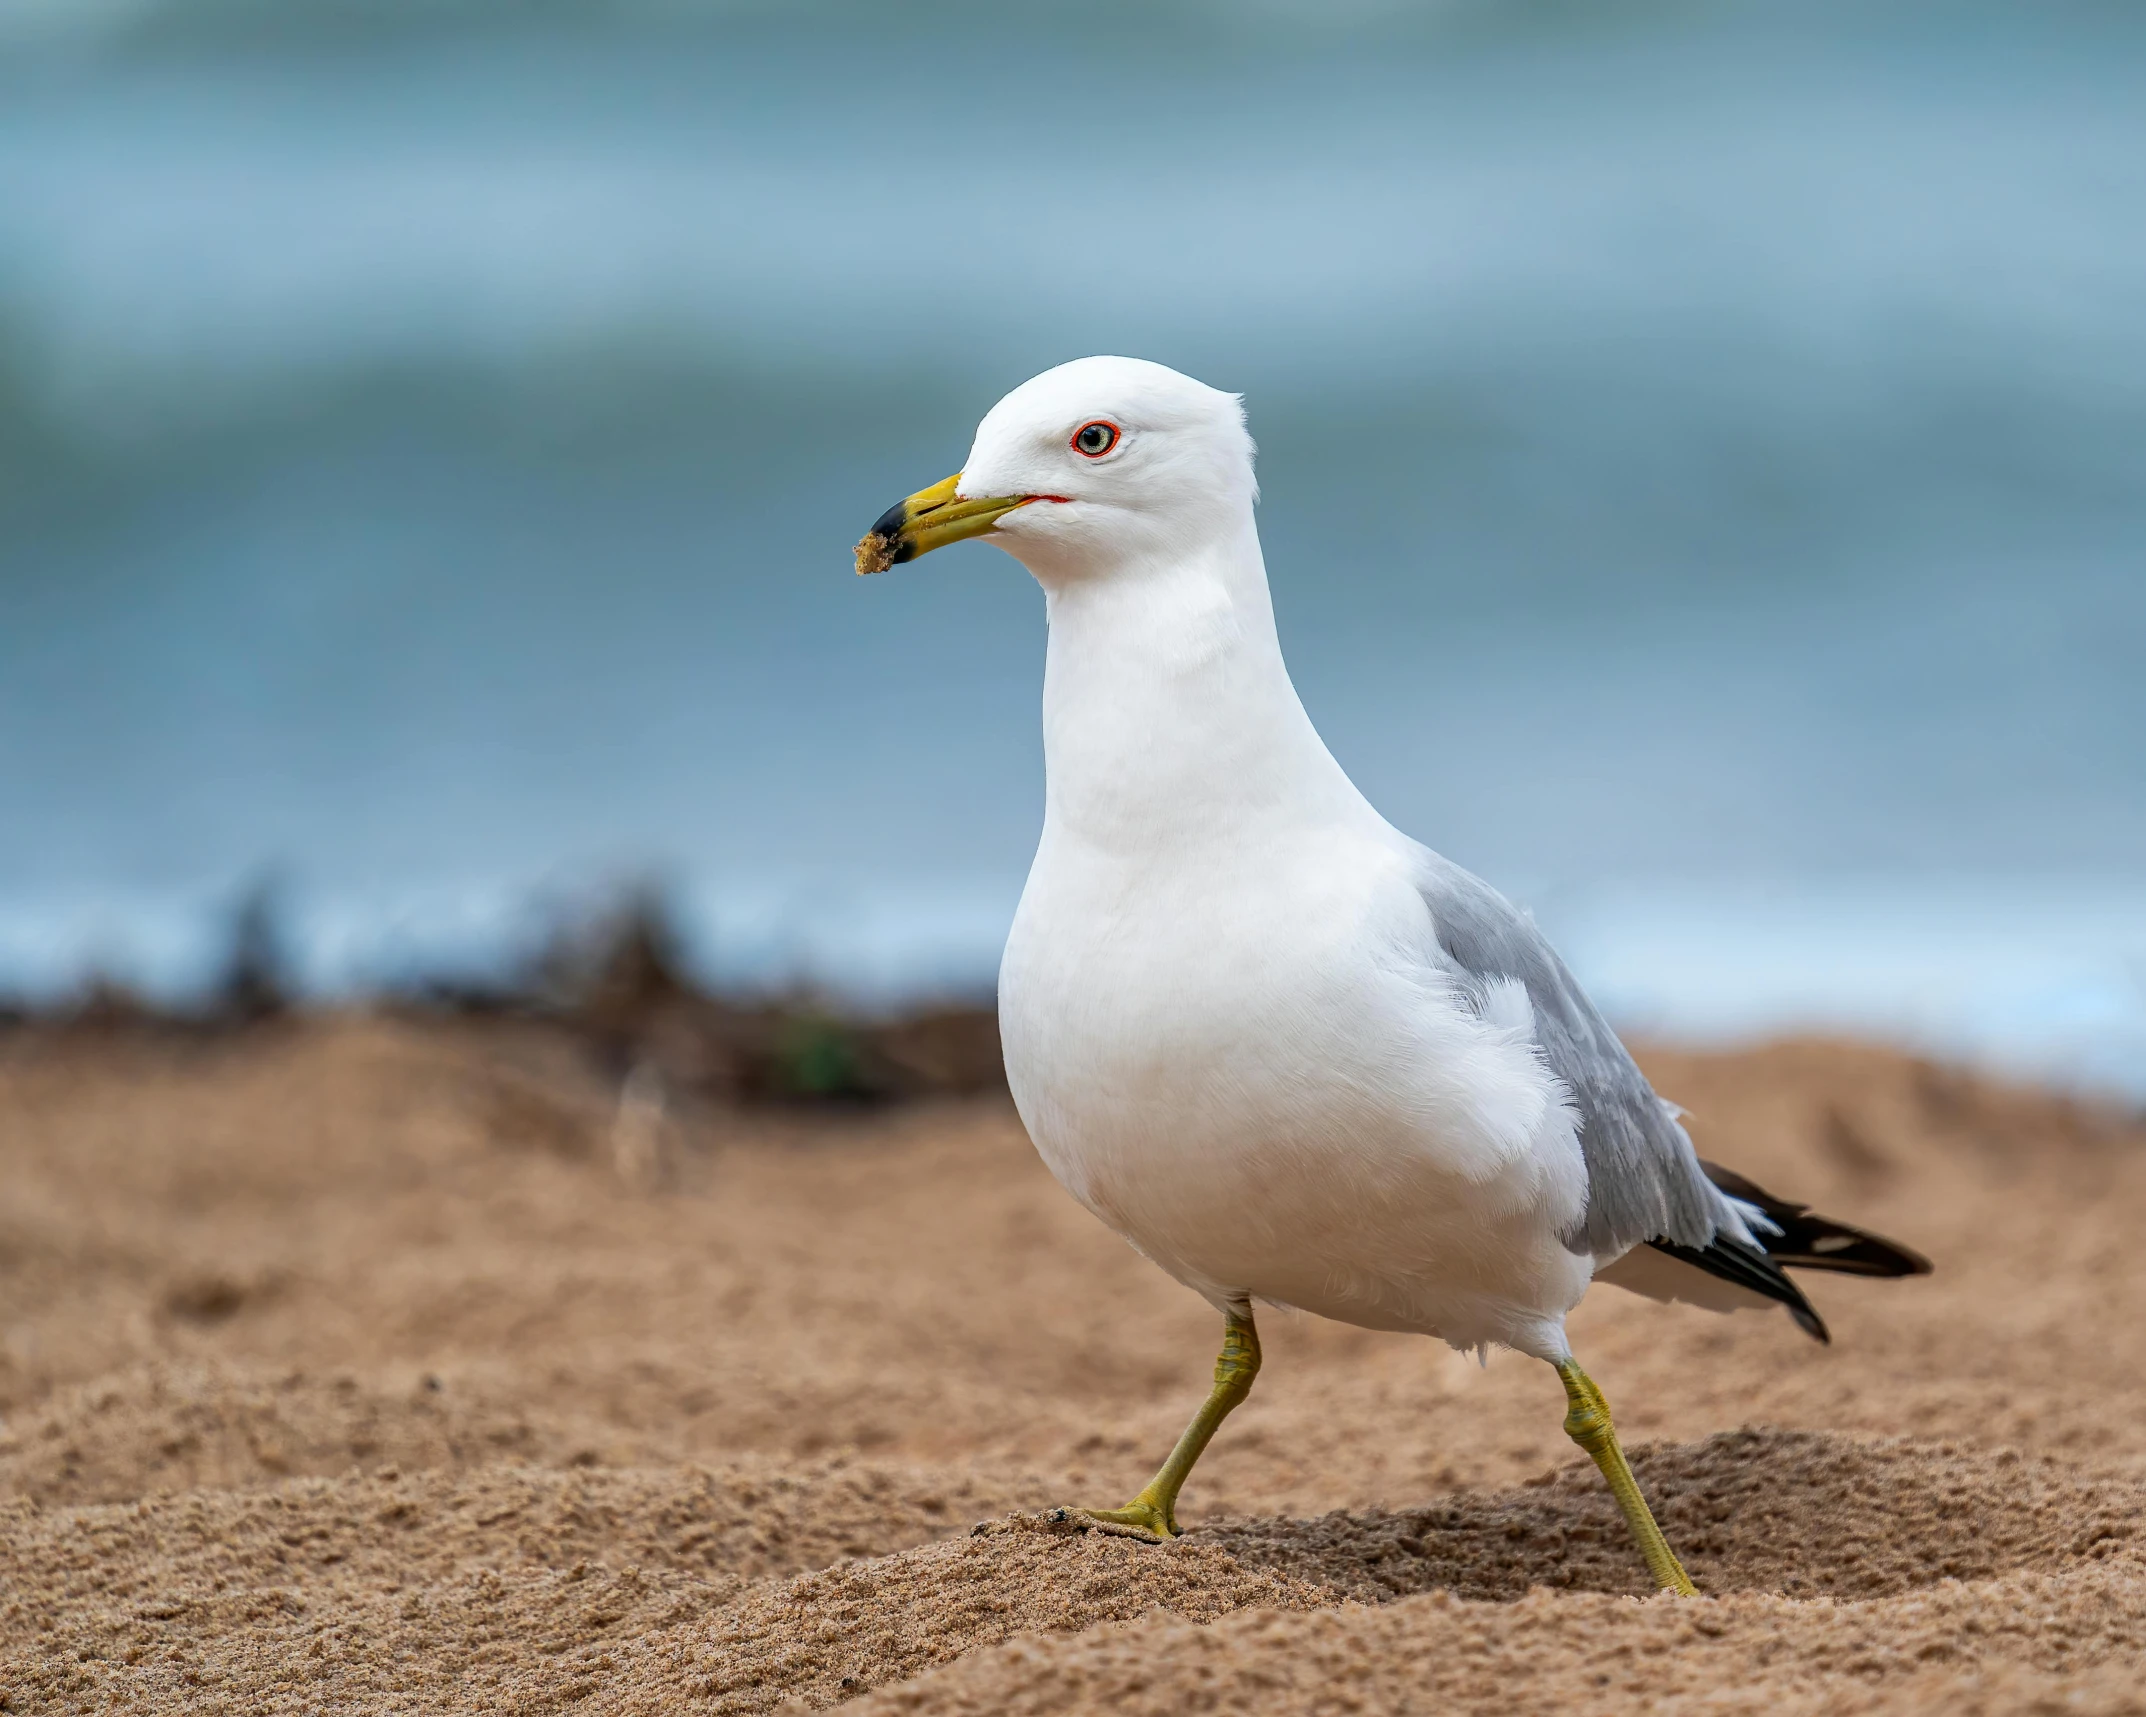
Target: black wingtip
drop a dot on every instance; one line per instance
(1808, 1320)
(1808, 1241)
(1752, 1269)
(1802, 1241)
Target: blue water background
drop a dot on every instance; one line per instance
(1703, 449)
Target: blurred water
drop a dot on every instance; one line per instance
(1702, 450)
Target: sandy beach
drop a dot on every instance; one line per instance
(370, 1364)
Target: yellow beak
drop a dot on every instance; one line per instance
(929, 519)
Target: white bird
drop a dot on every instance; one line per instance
(1288, 1053)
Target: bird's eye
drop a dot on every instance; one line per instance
(1095, 439)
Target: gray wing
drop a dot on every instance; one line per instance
(1644, 1181)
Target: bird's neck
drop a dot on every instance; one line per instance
(1169, 719)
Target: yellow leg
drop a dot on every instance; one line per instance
(1153, 1513)
(1587, 1423)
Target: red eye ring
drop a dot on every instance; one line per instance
(1101, 431)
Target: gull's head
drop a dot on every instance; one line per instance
(1100, 466)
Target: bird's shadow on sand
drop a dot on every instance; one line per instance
(1802, 1514)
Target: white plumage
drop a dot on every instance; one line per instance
(1287, 1052)
(1229, 1024)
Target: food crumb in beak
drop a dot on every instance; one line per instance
(874, 554)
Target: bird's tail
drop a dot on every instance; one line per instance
(1791, 1236)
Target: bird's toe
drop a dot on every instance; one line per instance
(1141, 1520)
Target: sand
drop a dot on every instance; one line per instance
(365, 1365)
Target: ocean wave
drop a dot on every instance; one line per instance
(133, 24)
(232, 226)
(251, 25)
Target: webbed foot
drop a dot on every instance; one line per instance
(1151, 1516)
(1150, 1522)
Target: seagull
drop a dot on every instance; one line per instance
(1290, 1054)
